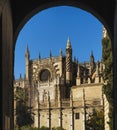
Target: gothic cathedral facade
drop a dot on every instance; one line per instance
(61, 90)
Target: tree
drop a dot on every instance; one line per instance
(58, 128)
(95, 120)
(44, 128)
(24, 116)
(32, 128)
(108, 75)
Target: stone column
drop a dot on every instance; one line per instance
(60, 117)
(6, 57)
(115, 67)
(78, 78)
(1, 73)
(97, 80)
(72, 119)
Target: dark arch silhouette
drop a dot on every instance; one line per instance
(15, 13)
(36, 7)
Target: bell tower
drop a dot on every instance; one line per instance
(68, 62)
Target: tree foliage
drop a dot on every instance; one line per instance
(95, 120)
(28, 128)
(24, 116)
(108, 75)
(42, 128)
(58, 128)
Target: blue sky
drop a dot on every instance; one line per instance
(50, 29)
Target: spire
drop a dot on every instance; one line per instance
(68, 43)
(92, 57)
(68, 62)
(91, 53)
(27, 52)
(20, 76)
(61, 52)
(39, 56)
(27, 55)
(50, 53)
(92, 62)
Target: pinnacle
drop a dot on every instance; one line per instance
(68, 43)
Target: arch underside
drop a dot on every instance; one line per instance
(24, 10)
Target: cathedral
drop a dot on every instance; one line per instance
(61, 90)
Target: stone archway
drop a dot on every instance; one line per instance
(14, 14)
(32, 15)
(39, 6)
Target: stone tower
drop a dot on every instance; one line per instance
(68, 62)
